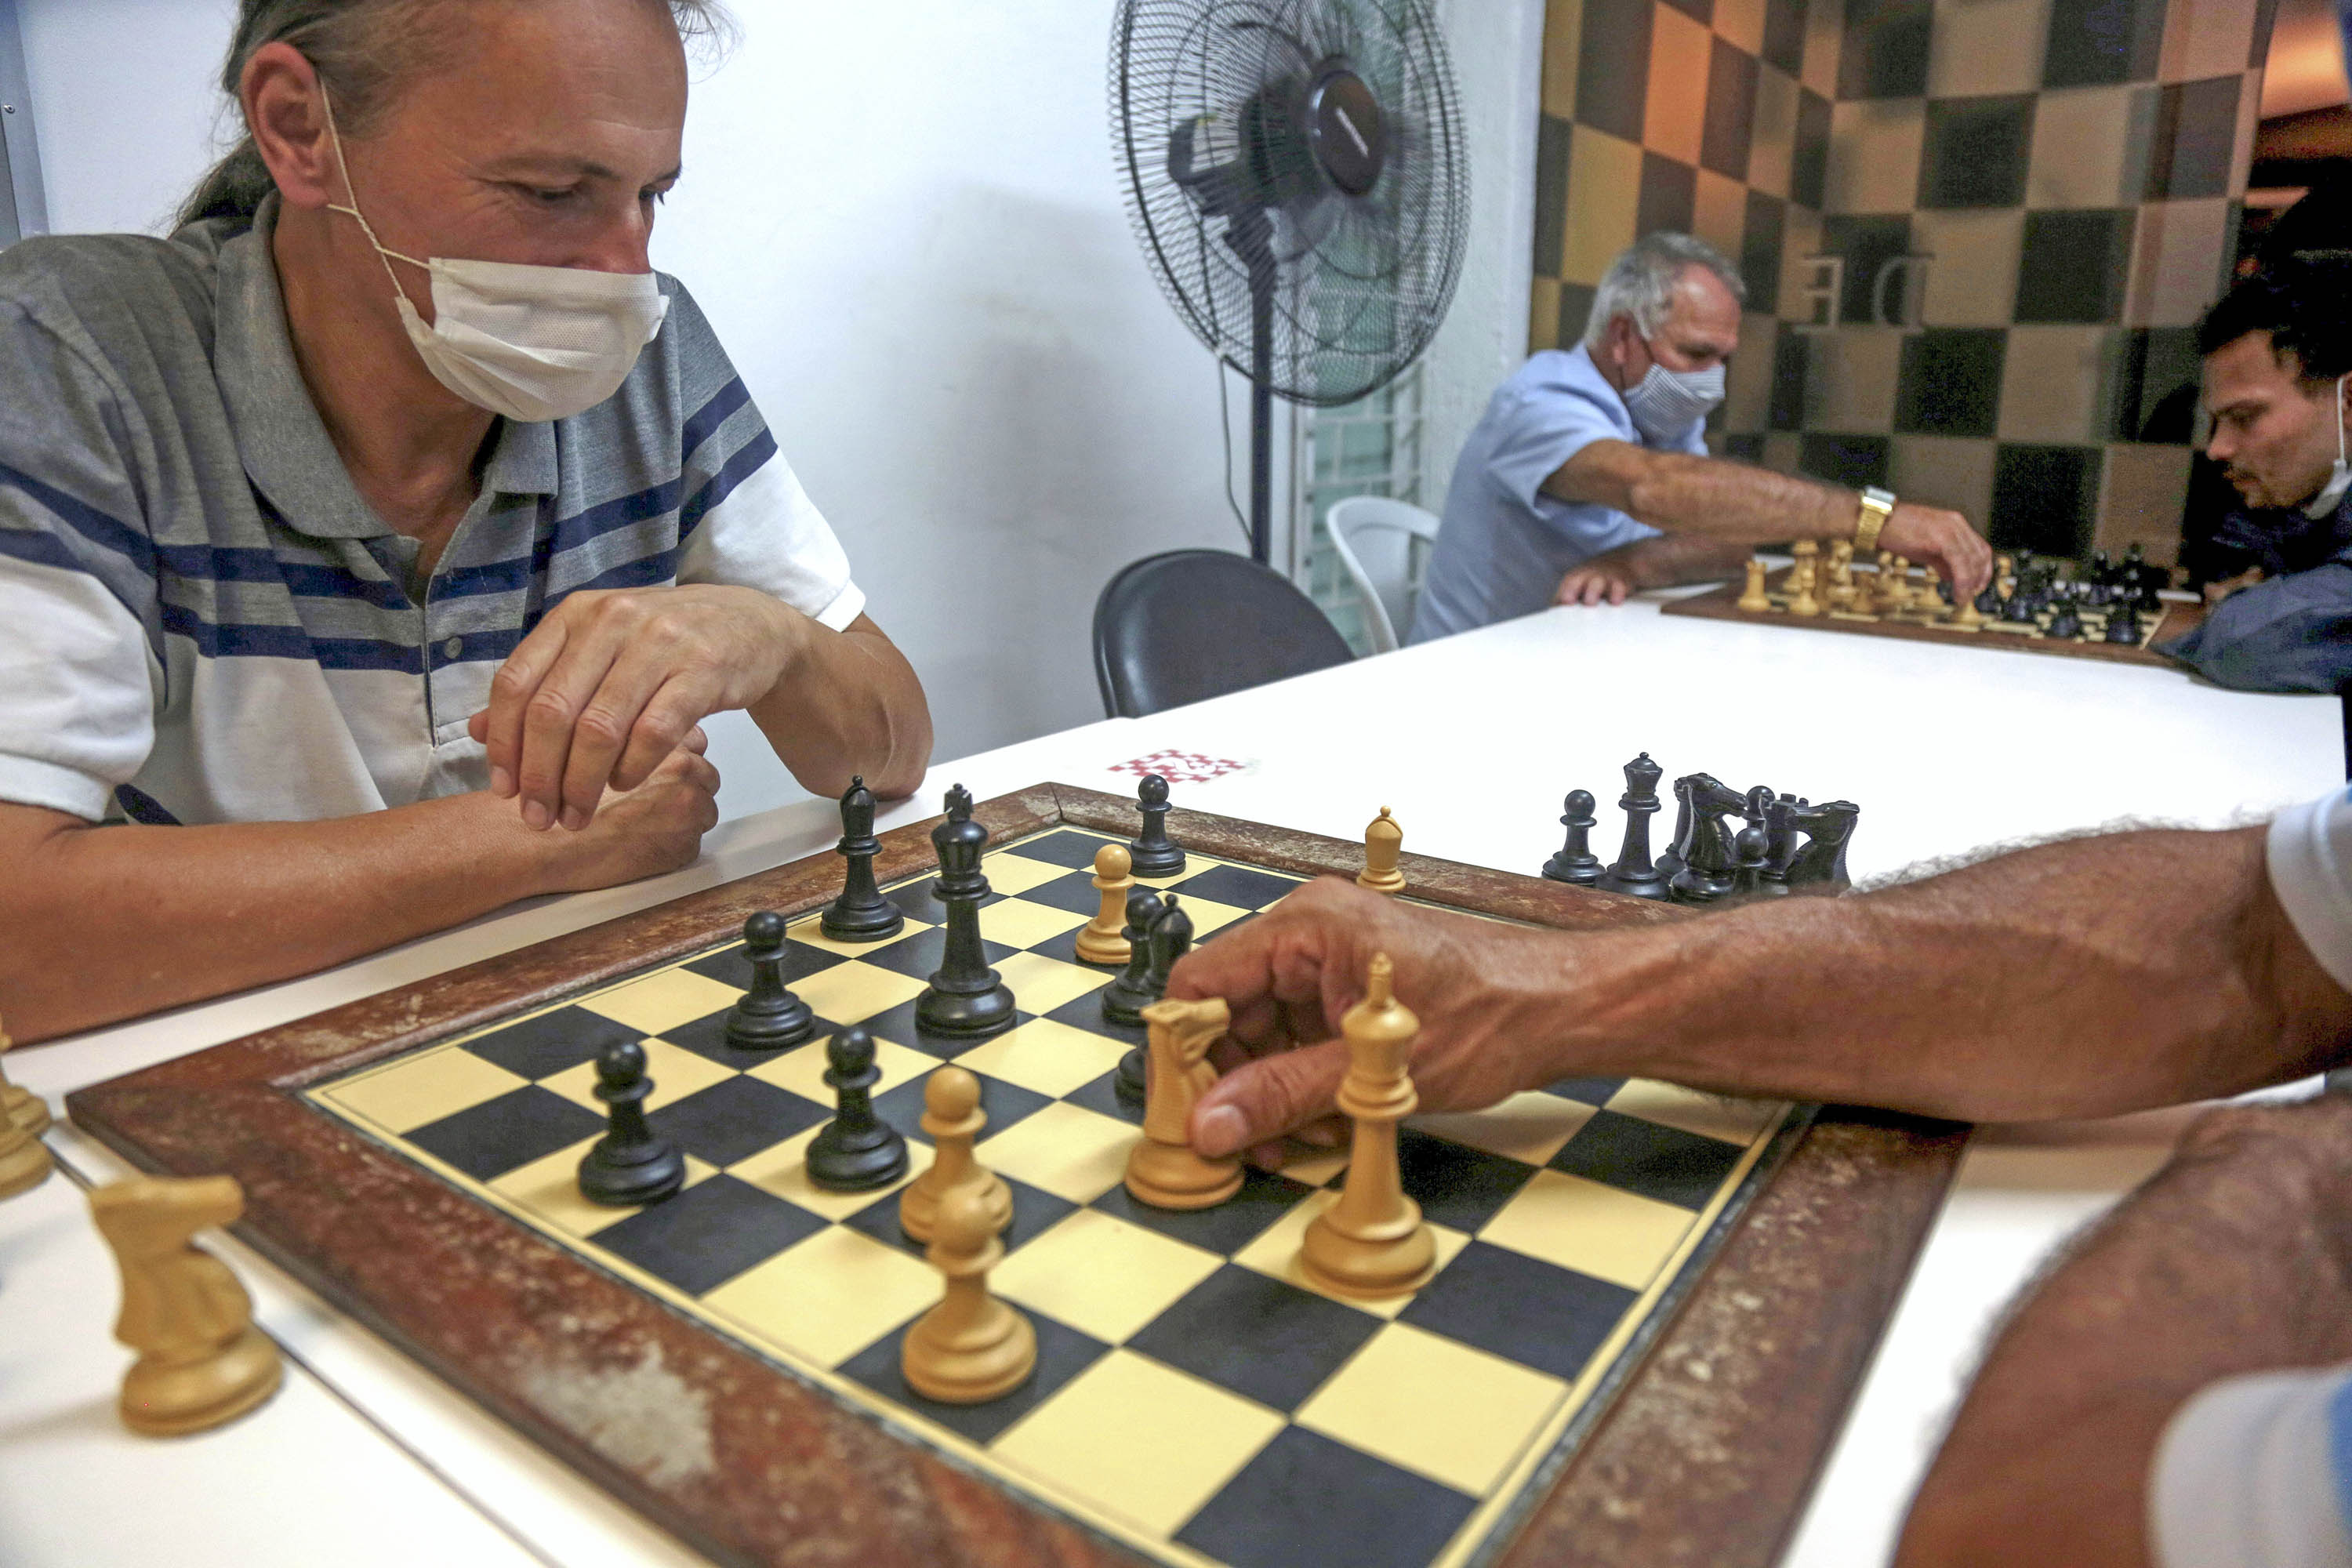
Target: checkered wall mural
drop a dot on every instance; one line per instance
(1976, 234)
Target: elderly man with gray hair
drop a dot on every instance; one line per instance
(1589, 478)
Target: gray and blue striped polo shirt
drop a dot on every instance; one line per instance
(200, 618)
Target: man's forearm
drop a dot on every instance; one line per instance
(1730, 504)
(850, 706)
(1672, 560)
(2082, 978)
(103, 923)
(2232, 1259)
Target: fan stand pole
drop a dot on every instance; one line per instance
(1252, 237)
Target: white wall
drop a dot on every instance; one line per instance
(905, 223)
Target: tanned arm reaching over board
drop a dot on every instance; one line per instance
(1589, 477)
(2139, 1407)
(372, 550)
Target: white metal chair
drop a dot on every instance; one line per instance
(1382, 545)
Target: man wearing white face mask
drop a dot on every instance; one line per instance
(1589, 477)
(2278, 348)
(372, 550)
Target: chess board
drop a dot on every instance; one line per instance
(2178, 619)
(1196, 1400)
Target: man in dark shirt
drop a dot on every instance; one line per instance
(2277, 351)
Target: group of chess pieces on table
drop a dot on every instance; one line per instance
(2102, 601)
(973, 1346)
(1787, 846)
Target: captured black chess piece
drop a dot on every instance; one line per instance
(1130, 991)
(1751, 875)
(1828, 827)
(861, 913)
(1575, 862)
(1633, 873)
(1150, 852)
(856, 1150)
(629, 1165)
(1780, 844)
(767, 1017)
(965, 997)
(1706, 847)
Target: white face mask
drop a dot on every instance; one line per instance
(2339, 478)
(1664, 402)
(529, 343)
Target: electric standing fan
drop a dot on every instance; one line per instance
(1295, 170)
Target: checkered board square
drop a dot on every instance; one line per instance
(1196, 1398)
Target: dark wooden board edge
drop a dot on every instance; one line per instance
(1708, 1455)
(583, 1363)
(1721, 605)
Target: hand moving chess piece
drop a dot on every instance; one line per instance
(1104, 941)
(972, 1347)
(965, 998)
(952, 1118)
(201, 1360)
(629, 1165)
(767, 1017)
(1162, 1170)
(1373, 1242)
(1575, 863)
(1632, 872)
(861, 913)
(21, 1106)
(1150, 852)
(856, 1150)
(1383, 842)
(1753, 599)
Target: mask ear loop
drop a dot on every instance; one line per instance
(387, 257)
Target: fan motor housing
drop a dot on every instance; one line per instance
(1346, 130)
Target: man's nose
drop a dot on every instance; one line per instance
(622, 243)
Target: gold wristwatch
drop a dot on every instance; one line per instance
(1877, 505)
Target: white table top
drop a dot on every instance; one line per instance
(365, 1459)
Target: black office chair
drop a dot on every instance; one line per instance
(1195, 624)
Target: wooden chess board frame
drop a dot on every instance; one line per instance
(1722, 604)
(1708, 1451)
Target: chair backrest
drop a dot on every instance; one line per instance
(1196, 623)
(1381, 545)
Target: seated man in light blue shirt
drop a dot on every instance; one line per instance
(1589, 477)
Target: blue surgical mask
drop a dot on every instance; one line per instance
(1666, 401)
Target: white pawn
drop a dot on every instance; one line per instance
(971, 1347)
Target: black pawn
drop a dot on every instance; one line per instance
(1124, 999)
(1633, 873)
(2065, 625)
(861, 913)
(2123, 623)
(769, 1017)
(856, 1150)
(965, 997)
(1151, 853)
(1172, 938)
(1576, 863)
(629, 1165)
(1752, 874)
